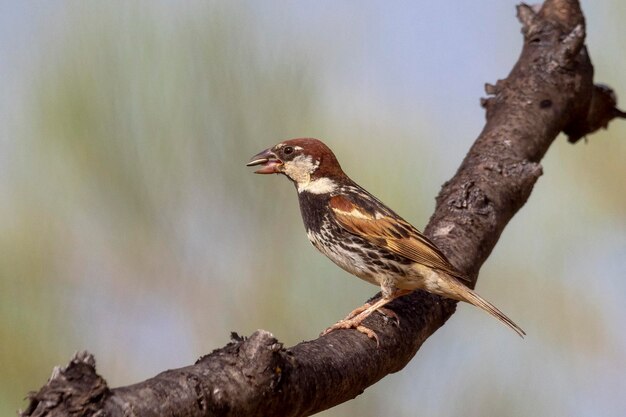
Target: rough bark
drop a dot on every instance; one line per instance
(549, 90)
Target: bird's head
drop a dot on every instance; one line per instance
(309, 163)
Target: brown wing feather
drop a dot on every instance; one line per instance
(394, 234)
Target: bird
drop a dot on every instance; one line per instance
(363, 236)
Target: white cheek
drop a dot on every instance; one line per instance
(300, 169)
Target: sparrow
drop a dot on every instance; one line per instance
(363, 236)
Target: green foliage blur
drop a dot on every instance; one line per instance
(130, 226)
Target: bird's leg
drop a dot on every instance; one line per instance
(386, 293)
(357, 311)
(382, 310)
(356, 317)
(391, 292)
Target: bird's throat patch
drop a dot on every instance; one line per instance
(318, 186)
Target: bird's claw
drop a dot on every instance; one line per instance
(356, 317)
(369, 333)
(389, 314)
(353, 324)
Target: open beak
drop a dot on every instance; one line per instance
(270, 164)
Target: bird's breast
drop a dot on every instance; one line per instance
(356, 255)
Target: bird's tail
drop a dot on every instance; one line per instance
(466, 294)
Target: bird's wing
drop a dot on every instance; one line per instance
(391, 233)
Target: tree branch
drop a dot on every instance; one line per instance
(549, 90)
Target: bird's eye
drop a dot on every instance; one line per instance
(288, 150)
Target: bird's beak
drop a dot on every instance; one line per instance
(269, 161)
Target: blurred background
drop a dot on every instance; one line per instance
(130, 227)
